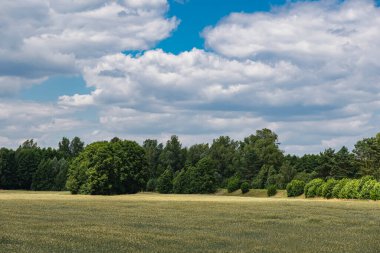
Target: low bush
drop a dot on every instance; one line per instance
(313, 188)
(244, 187)
(295, 188)
(350, 190)
(338, 187)
(327, 188)
(363, 181)
(375, 192)
(233, 184)
(272, 190)
(365, 192)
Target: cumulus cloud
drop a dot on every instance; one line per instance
(41, 38)
(307, 69)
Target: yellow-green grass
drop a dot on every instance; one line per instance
(60, 222)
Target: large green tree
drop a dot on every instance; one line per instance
(109, 168)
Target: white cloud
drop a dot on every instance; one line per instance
(309, 71)
(40, 38)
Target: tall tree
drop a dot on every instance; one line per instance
(173, 155)
(28, 157)
(367, 154)
(345, 166)
(196, 153)
(8, 169)
(223, 152)
(153, 151)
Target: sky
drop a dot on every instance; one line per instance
(139, 69)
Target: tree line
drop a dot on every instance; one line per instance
(122, 166)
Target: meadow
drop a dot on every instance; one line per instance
(148, 222)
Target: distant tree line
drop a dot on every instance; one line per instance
(122, 166)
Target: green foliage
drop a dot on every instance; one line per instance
(338, 187)
(224, 153)
(314, 188)
(375, 192)
(244, 187)
(50, 176)
(285, 175)
(305, 177)
(153, 151)
(365, 192)
(165, 182)
(196, 153)
(257, 151)
(327, 188)
(151, 185)
(202, 177)
(27, 158)
(271, 190)
(350, 190)
(173, 155)
(233, 184)
(295, 188)
(108, 168)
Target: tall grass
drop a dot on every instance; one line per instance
(59, 222)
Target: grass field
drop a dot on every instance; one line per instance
(59, 222)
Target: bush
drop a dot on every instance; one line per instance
(314, 188)
(233, 184)
(375, 192)
(365, 192)
(244, 187)
(338, 187)
(327, 188)
(165, 182)
(272, 190)
(363, 181)
(295, 188)
(151, 185)
(350, 190)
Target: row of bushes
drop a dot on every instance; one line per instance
(364, 188)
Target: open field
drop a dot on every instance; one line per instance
(59, 222)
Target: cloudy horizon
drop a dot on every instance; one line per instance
(139, 69)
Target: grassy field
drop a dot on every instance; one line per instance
(59, 222)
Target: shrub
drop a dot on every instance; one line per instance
(233, 184)
(244, 187)
(295, 188)
(151, 185)
(313, 188)
(338, 187)
(375, 192)
(363, 181)
(327, 188)
(365, 192)
(350, 190)
(272, 190)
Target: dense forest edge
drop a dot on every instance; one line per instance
(257, 162)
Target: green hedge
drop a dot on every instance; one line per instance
(314, 188)
(365, 188)
(295, 188)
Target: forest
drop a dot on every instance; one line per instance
(122, 166)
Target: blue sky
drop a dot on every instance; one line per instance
(195, 68)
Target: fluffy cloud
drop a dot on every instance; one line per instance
(308, 69)
(41, 38)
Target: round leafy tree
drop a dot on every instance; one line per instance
(105, 168)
